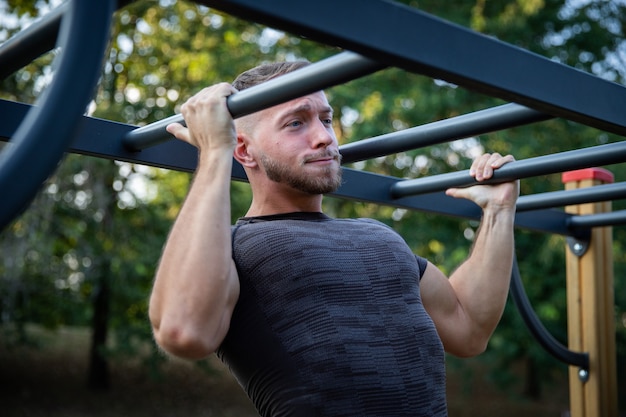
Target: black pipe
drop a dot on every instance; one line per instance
(537, 329)
(32, 42)
(43, 136)
(477, 123)
(337, 69)
(597, 220)
(607, 192)
(35, 40)
(611, 153)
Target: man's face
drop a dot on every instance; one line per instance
(298, 146)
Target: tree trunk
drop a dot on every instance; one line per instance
(99, 378)
(102, 187)
(533, 383)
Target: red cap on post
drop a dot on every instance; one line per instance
(600, 174)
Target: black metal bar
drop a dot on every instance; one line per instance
(536, 327)
(597, 220)
(607, 192)
(103, 139)
(84, 35)
(32, 42)
(471, 124)
(405, 37)
(335, 70)
(611, 153)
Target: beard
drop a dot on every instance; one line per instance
(325, 182)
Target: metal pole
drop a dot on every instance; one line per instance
(548, 164)
(53, 123)
(32, 42)
(578, 196)
(536, 327)
(389, 32)
(597, 220)
(471, 124)
(332, 71)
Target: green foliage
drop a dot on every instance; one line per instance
(101, 223)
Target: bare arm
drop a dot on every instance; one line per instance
(196, 285)
(467, 307)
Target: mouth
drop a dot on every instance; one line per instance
(326, 158)
(321, 161)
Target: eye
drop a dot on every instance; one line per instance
(327, 121)
(294, 123)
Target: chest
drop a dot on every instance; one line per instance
(346, 266)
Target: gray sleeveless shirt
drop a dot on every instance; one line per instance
(329, 321)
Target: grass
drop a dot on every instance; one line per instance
(50, 381)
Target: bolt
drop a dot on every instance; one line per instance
(583, 375)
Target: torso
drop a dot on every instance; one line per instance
(330, 322)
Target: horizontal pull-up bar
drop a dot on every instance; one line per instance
(597, 220)
(337, 69)
(358, 185)
(548, 164)
(459, 127)
(607, 192)
(452, 53)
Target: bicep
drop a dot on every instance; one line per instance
(441, 303)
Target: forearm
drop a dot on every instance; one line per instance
(481, 283)
(196, 285)
(467, 306)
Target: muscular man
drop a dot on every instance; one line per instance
(317, 316)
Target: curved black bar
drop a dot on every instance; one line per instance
(545, 339)
(471, 124)
(337, 69)
(28, 159)
(611, 153)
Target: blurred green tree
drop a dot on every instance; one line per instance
(86, 250)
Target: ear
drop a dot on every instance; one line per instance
(242, 153)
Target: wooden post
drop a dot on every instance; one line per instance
(590, 306)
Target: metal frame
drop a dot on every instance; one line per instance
(545, 339)
(85, 41)
(548, 164)
(450, 52)
(105, 139)
(460, 127)
(332, 71)
(415, 41)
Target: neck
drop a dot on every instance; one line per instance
(264, 204)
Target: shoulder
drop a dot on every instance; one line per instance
(366, 222)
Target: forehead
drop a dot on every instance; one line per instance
(315, 102)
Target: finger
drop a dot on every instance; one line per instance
(494, 162)
(453, 192)
(476, 165)
(459, 193)
(501, 160)
(481, 167)
(221, 89)
(488, 167)
(179, 131)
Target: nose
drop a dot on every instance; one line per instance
(322, 135)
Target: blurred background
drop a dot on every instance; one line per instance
(77, 266)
